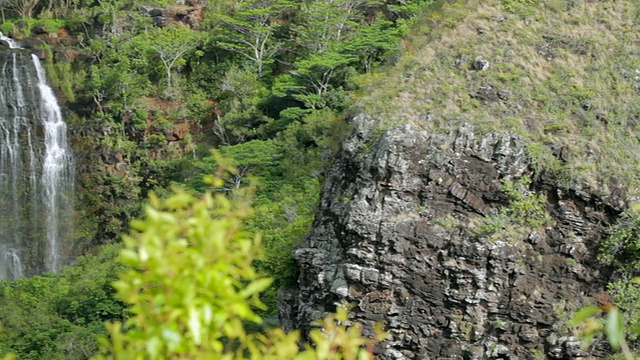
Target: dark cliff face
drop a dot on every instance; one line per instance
(397, 236)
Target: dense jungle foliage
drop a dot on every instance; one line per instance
(149, 89)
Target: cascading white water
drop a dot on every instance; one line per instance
(12, 43)
(56, 163)
(36, 169)
(14, 265)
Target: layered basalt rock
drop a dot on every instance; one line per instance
(396, 235)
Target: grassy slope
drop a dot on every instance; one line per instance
(568, 72)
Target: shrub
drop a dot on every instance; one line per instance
(193, 289)
(622, 245)
(524, 212)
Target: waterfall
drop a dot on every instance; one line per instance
(12, 43)
(36, 169)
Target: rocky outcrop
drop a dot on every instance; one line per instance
(396, 235)
(187, 12)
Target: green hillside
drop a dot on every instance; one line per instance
(564, 74)
(272, 85)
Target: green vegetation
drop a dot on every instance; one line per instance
(59, 316)
(197, 304)
(267, 84)
(277, 72)
(187, 277)
(618, 320)
(622, 246)
(547, 81)
(264, 83)
(525, 212)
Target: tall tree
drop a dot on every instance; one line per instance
(24, 8)
(170, 44)
(325, 23)
(312, 78)
(319, 35)
(250, 31)
(241, 118)
(116, 77)
(3, 7)
(61, 7)
(372, 41)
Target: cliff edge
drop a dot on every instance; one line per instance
(426, 233)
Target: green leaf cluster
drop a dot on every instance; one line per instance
(621, 248)
(59, 316)
(622, 244)
(525, 211)
(607, 319)
(526, 207)
(192, 289)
